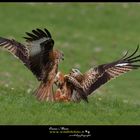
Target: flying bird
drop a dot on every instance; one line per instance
(39, 57)
(93, 78)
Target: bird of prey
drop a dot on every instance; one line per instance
(39, 57)
(66, 90)
(95, 77)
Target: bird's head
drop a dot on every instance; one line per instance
(75, 73)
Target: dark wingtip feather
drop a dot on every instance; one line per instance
(132, 60)
(132, 53)
(32, 36)
(28, 39)
(124, 55)
(37, 34)
(49, 34)
(42, 33)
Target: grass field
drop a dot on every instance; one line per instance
(89, 34)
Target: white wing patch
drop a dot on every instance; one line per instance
(35, 49)
(123, 64)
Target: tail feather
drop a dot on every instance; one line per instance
(44, 93)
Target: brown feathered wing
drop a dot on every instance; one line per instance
(36, 54)
(100, 75)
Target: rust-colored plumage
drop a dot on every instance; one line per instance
(96, 77)
(39, 57)
(64, 90)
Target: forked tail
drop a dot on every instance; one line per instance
(44, 92)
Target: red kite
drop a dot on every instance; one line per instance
(93, 78)
(39, 57)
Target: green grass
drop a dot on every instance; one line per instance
(89, 34)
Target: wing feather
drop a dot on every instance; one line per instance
(98, 76)
(16, 48)
(40, 47)
(36, 54)
(78, 88)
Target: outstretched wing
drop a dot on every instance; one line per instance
(98, 76)
(37, 53)
(16, 48)
(40, 44)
